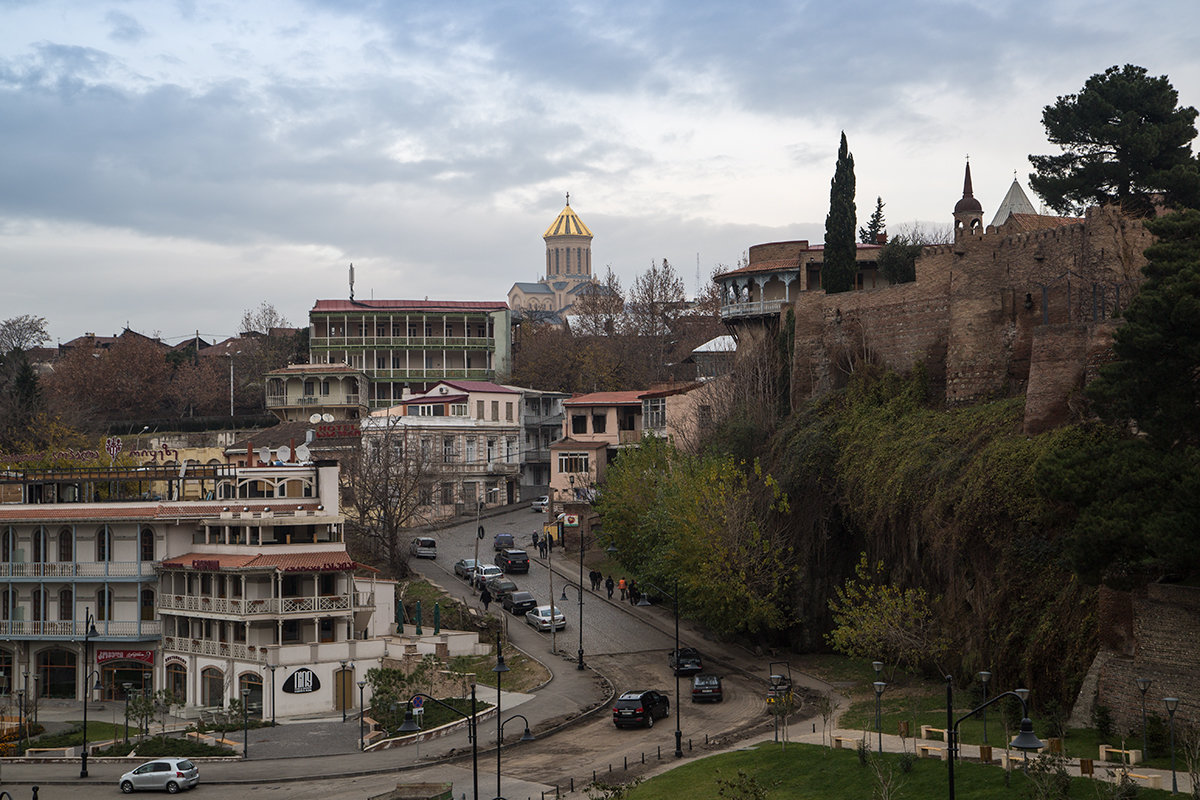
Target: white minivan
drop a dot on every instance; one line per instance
(423, 547)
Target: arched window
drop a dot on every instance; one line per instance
(212, 687)
(66, 546)
(39, 545)
(39, 605)
(66, 605)
(147, 604)
(104, 544)
(104, 605)
(6, 546)
(147, 542)
(253, 682)
(7, 598)
(177, 680)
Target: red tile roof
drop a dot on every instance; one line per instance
(324, 561)
(480, 386)
(606, 399)
(336, 306)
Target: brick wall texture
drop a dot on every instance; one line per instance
(991, 315)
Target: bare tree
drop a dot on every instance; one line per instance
(387, 483)
(22, 333)
(263, 319)
(827, 707)
(599, 308)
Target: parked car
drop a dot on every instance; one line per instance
(686, 661)
(464, 567)
(640, 708)
(540, 618)
(423, 547)
(706, 688)
(162, 774)
(519, 602)
(503, 541)
(500, 588)
(513, 560)
(539, 506)
(484, 572)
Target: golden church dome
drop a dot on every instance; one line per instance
(567, 223)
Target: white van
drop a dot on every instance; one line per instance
(423, 547)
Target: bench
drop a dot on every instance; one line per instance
(929, 751)
(1152, 781)
(50, 752)
(928, 729)
(1127, 756)
(841, 741)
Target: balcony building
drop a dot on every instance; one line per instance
(200, 578)
(597, 425)
(411, 344)
(541, 426)
(296, 393)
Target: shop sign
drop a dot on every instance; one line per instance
(302, 681)
(145, 656)
(338, 431)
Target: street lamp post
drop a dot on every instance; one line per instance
(246, 722)
(89, 630)
(21, 716)
(1172, 704)
(879, 687)
(525, 737)
(1143, 685)
(1024, 740)
(579, 588)
(410, 726)
(985, 677)
(341, 688)
(674, 602)
(500, 669)
(126, 687)
(272, 667)
(362, 713)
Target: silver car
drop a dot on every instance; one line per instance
(540, 618)
(161, 774)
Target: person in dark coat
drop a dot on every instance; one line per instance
(542, 548)
(535, 539)
(485, 597)
(609, 586)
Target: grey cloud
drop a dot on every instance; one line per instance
(124, 28)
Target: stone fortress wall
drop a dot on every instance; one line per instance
(1001, 312)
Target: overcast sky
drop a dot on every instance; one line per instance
(168, 165)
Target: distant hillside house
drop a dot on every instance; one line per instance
(568, 272)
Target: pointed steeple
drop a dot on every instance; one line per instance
(968, 202)
(968, 213)
(1014, 202)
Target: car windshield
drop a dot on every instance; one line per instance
(186, 765)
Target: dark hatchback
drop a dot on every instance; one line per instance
(640, 709)
(707, 689)
(512, 561)
(686, 661)
(519, 602)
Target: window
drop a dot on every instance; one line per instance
(177, 679)
(599, 423)
(104, 544)
(327, 584)
(57, 671)
(254, 701)
(147, 544)
(426, 448)
(495, 411)
(310, 387)
(8, 599)
(458, 409)
(447, 449)
(479, 409)
(275, 388)
(654, 413)
(104, 605)
(66, 546)
(508, 411)
(39, 605)
(39, 545)
(447, 494)
(579, 423)
(572, 462)
(470, 449)
(146, 606)
(426, 496)
(212, 684)
(66, 605)
(491, 449)
(325, 388)
(511, 444)
(291, 630)
(6, 546)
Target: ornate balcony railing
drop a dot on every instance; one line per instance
(75, 629)
(243, 607)
(752, 309)
(208, 647)
(78, 569)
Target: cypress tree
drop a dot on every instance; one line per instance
(875, 225)
(837, 273)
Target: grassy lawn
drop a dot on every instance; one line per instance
(807, 771)
(523, 675)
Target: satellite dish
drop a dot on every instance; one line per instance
(284, 453)
(264, 455)
(302, 453)
(314, 419)
(327, 417)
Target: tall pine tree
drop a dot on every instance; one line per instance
(837, 274)
(875, 225)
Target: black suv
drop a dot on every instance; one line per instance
(513, 560)
(707, 688)
(640, 708)
(686, 661)
(519, 602)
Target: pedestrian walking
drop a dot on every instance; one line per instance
(609, 586)
(622, 586)
(549, 541)
(535, 539)
(633, 593)
(594, 577)
(485, 597)
(542, 548)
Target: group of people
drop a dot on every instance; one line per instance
(543, 544)
(628, 589)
